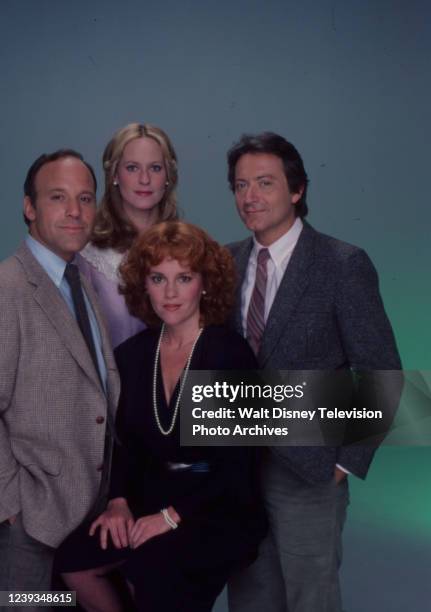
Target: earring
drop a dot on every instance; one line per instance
(167, 184)
(204, 292)
(115, 183)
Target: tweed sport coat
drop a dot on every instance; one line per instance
(327, 314)
(53, 410)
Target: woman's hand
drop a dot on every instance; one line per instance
(117, 520)
(148, 527)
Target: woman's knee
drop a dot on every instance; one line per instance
(83, 576)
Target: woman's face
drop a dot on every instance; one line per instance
(141, 175)
(175, 292)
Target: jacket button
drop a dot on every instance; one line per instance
(100, 420)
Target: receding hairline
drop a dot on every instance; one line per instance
(65, 159)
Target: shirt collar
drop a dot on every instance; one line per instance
(279, 249)
(53, 265)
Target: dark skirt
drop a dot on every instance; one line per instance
(183, 569)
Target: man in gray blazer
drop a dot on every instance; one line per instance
(58, 386)
(306, 301)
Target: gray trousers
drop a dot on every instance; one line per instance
(25, 563)
(297, 566)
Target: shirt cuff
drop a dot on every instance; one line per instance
(340, 467)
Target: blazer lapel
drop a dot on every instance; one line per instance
(291, 288)
(55, 308)
(241, 260)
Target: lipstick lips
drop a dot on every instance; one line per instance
(171, 307)
(144, 193)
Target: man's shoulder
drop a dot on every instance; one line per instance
(14, 288)
(21, 270)
(240, 245)
(334, 246)
(330, 250)
(11, 271)
(324, 245)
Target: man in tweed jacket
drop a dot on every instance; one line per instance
(322, 311)
(54, 404)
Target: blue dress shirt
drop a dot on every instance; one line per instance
(55, 266)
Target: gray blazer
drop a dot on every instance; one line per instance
(53, 410)
(327, 314)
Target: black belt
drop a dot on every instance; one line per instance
(197, 466)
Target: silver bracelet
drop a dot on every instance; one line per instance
(170, 521)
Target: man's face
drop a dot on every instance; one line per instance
(263, 198)
(64, 212)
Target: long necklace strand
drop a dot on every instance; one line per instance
(183, 378)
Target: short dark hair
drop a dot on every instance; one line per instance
(269, 142)
(46, 158)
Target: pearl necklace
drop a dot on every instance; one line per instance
(168, 431)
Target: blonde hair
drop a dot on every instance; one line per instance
(112, 228)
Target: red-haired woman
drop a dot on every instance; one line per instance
(180, 519)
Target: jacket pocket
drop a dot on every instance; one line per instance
(33, 455)
(308, 336)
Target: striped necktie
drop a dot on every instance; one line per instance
(256, 309)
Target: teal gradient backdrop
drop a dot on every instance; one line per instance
(348, 82)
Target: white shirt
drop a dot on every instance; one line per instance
(280, 253)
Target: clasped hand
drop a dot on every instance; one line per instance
(118, 521)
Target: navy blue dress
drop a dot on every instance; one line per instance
(221, 514)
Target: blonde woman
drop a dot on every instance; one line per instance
(140, 168)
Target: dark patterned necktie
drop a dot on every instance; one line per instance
(71, 274)
(256, 309)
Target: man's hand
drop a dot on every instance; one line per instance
(150, 526)
(339, 475)
(118, 521)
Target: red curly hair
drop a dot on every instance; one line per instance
(189, 245)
